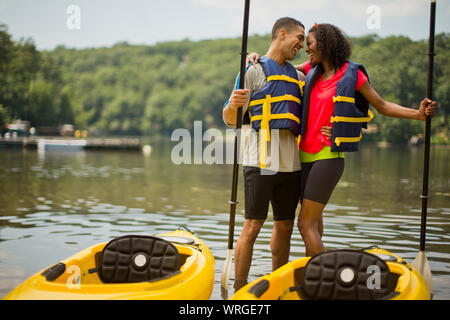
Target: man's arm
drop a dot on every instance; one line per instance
(299, 67)
(238, 99)
(300, 74)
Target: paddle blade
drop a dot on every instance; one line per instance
(226, 274)
(422, 265)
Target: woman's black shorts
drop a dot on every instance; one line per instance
(319, 178)
(282, 189)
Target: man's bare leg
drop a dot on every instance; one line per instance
(244, 251)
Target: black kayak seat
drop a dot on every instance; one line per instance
(345, 275)
(137, 258)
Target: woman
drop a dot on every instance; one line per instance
(336, 97)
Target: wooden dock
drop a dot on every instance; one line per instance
(43, 143)
(113, 143)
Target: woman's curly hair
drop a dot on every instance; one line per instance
(332, 44)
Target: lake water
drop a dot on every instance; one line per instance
(55, 204)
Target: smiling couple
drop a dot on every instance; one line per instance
(316, 119)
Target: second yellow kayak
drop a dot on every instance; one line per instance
(338, 275)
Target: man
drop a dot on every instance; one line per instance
(272, 101)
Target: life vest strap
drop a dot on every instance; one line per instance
(343, 99)
(352, 119)
(289, 116)
(286, 97)
(283, 77)
(338, 140)
(267, 116)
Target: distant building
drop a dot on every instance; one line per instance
(67, 130)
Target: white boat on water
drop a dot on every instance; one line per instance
(61, 144)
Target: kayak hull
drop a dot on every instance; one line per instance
(194, 281)
(408, 283)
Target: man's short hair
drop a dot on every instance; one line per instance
(286, 23)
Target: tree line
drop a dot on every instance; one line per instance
(152, 90)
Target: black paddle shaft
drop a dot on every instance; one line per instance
(426, 162)
(237, 138)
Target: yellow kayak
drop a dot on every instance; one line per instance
(171, 266)
(340, 275)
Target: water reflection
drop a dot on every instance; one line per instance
(55, 205)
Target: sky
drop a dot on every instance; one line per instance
(97, 23)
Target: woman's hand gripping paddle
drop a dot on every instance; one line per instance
(421, 263)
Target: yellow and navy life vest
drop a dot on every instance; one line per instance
(351, 109)
(277, 104)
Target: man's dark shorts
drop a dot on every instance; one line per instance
(281, 189)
